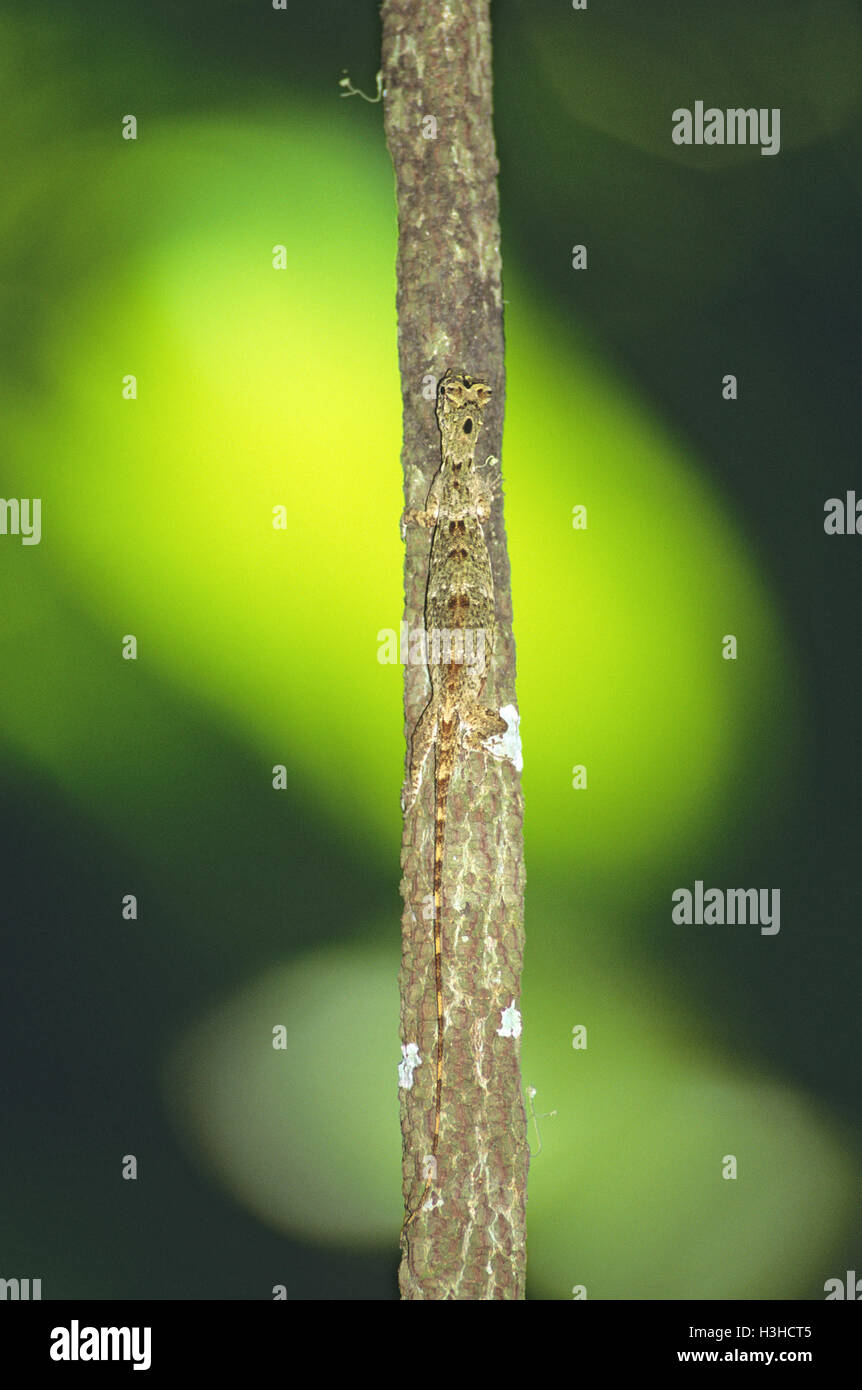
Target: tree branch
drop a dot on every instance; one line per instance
(437, 112)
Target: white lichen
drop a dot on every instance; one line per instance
(510, 1021)
(508, 745)
(410, 1060)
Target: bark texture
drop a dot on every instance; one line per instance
(438, 119)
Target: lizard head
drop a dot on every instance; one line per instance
(461, 402)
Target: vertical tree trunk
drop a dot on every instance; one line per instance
(471, 1243)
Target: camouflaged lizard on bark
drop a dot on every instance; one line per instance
(459, 635)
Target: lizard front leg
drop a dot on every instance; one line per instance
(423, 516)
(417, 516)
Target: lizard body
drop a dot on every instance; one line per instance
(459, 634)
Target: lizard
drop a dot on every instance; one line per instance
(459, 636)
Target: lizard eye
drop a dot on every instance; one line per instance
(468, 425)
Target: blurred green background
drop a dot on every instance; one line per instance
(260, 387)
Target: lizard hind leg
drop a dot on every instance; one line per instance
(420, 746)
(479, 724)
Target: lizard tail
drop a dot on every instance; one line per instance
(445, 760)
